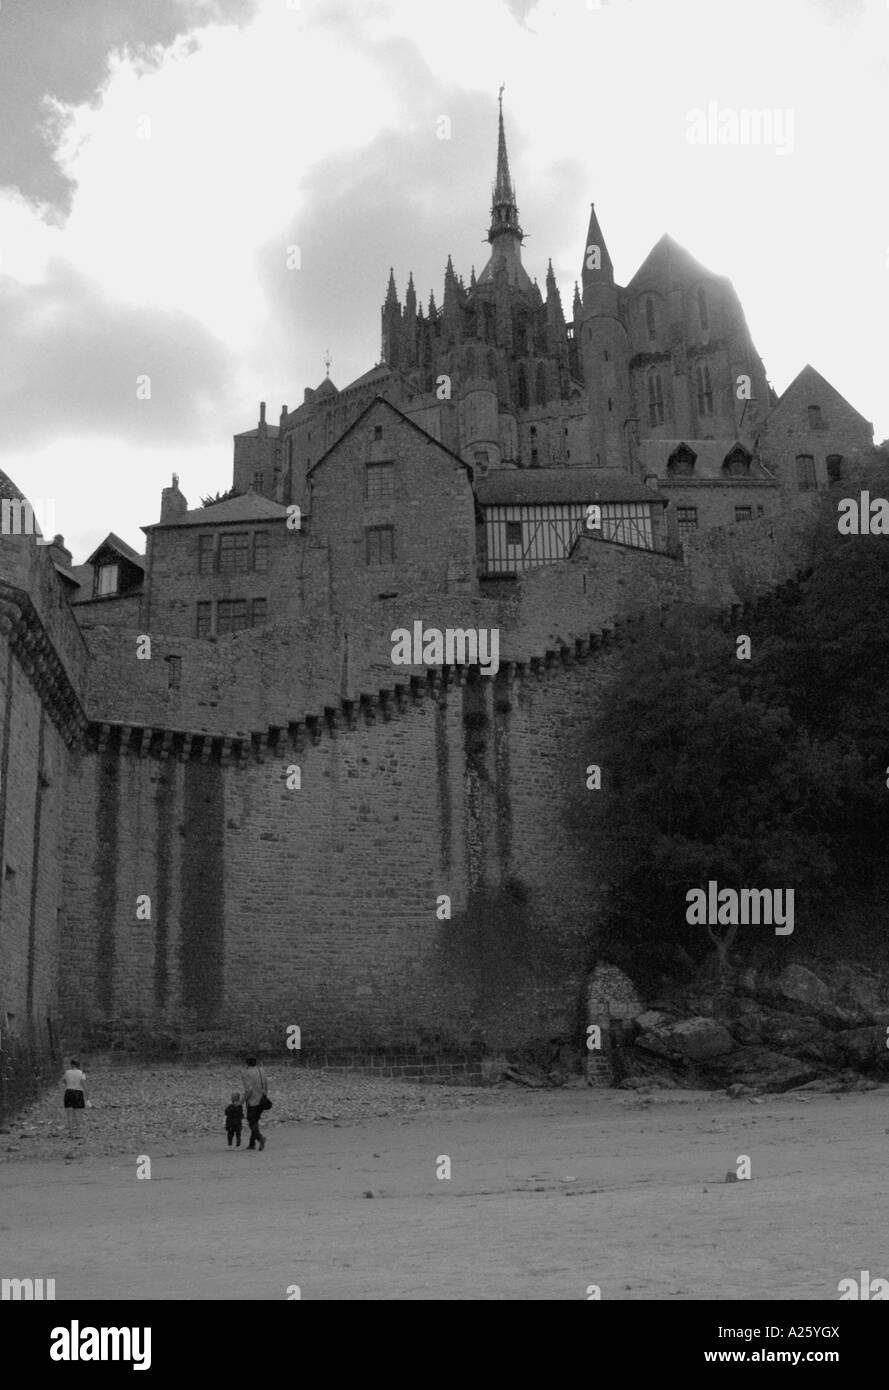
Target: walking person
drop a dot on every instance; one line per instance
(74, 1082)
(255, 1092)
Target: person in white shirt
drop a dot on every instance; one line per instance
(74, 1082)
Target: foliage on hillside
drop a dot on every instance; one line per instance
(767, 773)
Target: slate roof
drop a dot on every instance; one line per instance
(121, 547)
(251, 507)
(536, 486)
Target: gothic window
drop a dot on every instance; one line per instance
(260, 550)
(736, 463)
(655, 400)
(805, 472)
(687, 519)
(815, 420)
(231, 616)
(834, 467)
(522, 387)
(705, 390)
(204, 619)
(234, 552)
(682, 461)
(703, 312)
(206, 552)
(649, 318)
(743, 513)
(380, 543)
(541, 384)
(380, 482)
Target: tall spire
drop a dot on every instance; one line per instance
(391, 292)
(597, 267)
(504, 213)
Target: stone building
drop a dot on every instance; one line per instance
(217, 727)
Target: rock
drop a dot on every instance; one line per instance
(860, 1047)
(737, 1089)
(522, 1078)
(731, 1176)
(769, 1071)
(804, 987)
(699, 1039)
(652, 1019)
(861, 993)
(368, 1193)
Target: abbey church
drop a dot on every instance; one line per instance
(226, 809)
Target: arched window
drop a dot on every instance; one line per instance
(522, 387)
(705, 390)
(703, 313)
(834, 468)
(541, 391)
(655, 400)
(649, 318)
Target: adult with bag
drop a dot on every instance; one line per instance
(255, 1091)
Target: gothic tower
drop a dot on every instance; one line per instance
(604, 355)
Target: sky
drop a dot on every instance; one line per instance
(158, 161)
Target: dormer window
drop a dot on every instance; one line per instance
(681, 462)
(106, 579)
(736, 463)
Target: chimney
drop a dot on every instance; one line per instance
(173, 504)
(262, 425)
(60, 553)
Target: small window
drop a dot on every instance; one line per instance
(231, 616)
(760, 511)
(481, 456)
(605, 354)
(655, 400)
(234, 552)
(534, 456)
(106, 580)
(533, 431)
(743, 513)
(205, 618)
(257, 482)
(649, 318)
(687, 518)
(174, 678)
(380, 542)
(703, 313)
(513, 533)
(815, 421)
(805, 472)
(380, 486)
(834, 468)
(705, 391)
(206, 552)
(260, 550)
(260, 611)
(378, 431)
(610, 407)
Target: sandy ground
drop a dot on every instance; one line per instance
(549, 1193)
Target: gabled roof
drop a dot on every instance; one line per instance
(710, 455)
(113, 542)
(667, 262)
(807, 381)
(505, 487)
(250, 507)
(372, 405)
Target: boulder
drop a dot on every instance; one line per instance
(801, 985)
(862, 994)
(698, 1039)
(769, 1071)
(860, 1047)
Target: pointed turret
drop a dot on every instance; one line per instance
(391, 292)
(597, 267)
(433, 312)
(472, 278)
(391, 316)
(410, 322)
(577, 307)
(410, 297)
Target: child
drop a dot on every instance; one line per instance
(234, 1118)
(74, 1082)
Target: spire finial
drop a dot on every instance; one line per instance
(504, 213)
(500, 95)
(327, 361)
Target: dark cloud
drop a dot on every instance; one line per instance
(60, 48)
(69, 361)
